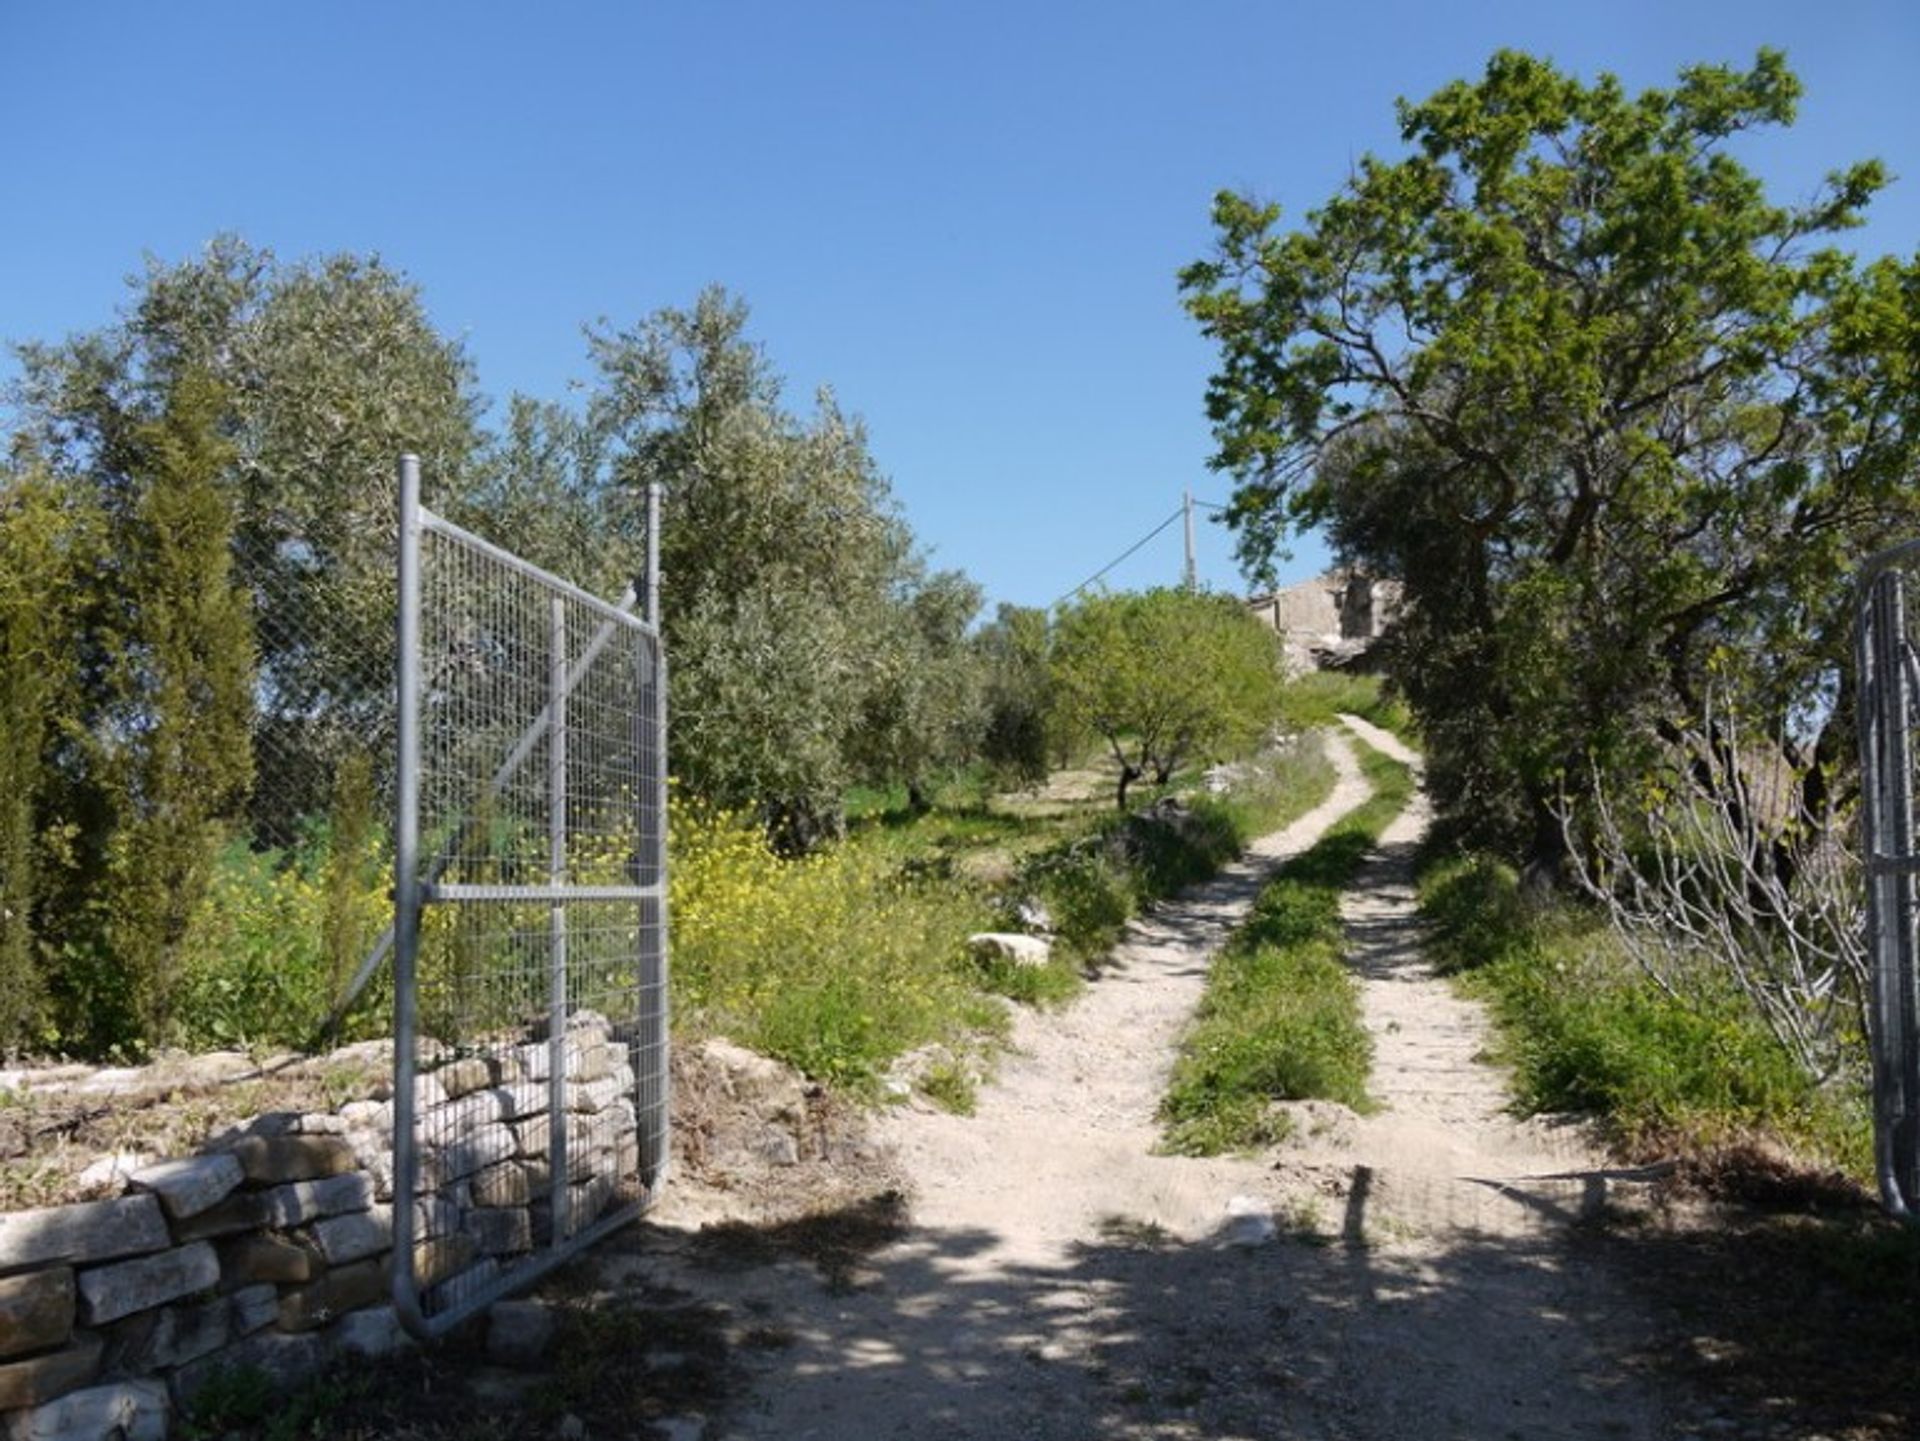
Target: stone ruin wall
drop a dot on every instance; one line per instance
(271, 1250)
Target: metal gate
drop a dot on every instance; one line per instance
(1889, 699)
(530, 918)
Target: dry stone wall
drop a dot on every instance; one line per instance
(273, 1250)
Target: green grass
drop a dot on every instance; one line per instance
(1281, 1018)
(1314, 700)
(1584, 1030)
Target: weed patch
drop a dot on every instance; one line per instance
(1584, 1030)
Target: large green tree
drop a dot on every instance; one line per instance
(50, 544)
(1163, 677)
(1618, 422)
(174, 735)
(328, 369)
(793, 591)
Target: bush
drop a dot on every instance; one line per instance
(832, 962)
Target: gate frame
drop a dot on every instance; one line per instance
(412, 892)
(1888, 681)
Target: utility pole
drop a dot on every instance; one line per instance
(1186, 501)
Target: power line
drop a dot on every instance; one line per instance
(1178, 511)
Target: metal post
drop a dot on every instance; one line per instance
(1900, 1006)
(650, 658)
(1894, 1035)
(557, 923)
(653, 554)
(1193, 575)
(406, 899)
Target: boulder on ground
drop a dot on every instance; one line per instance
(1010, 946)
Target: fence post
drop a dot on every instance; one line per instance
(406, 895)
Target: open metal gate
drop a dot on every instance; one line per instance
(530, 918)
(1889, 698)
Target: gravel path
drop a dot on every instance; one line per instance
(1407, 1274)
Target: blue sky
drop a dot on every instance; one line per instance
(966, 218)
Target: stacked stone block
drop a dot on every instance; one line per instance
(275, 1251)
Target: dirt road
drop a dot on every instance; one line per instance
(1406, 1274)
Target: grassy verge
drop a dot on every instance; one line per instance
(1314, 700)
(1281, 1017)
(1584, 1030)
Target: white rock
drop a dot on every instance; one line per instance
(1249, 1222)
(1009, 946)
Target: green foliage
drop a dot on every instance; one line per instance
(832, 962)
(327, 370)
(1615, 421)
(1585, 1030)
(1163, 676)
(175, 741)
(49, 536)
(1018, 681)
(809, 648)
(1281, 1017)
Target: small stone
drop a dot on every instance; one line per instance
(299, 1202)
(518, 1332)
(1249, 1222)
(149, 1341)
(477, 1150)
(306, 1308)
(449, 1122)
(36, 1311)
(441, 1257)
(435, 1216)
(111, 1172)
(42, 1378)
(374, 1116)
(112, 1291)
(595, 1096)
(502, 1185)
(500, 1232)
(254, 1307)
(90, 1231)
(354, 1237)
(372, 1332)
(524, 1098)
(123, 1410)
(469, 1073)
(188, 1187)
(321, 1123)
(275, 1160)
(266, 1256)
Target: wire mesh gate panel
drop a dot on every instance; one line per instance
(1889, 700)
(530, 1083)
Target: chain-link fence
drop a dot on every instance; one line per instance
(529, 919)
(1889, 700)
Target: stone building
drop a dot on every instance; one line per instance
(1331, 621)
